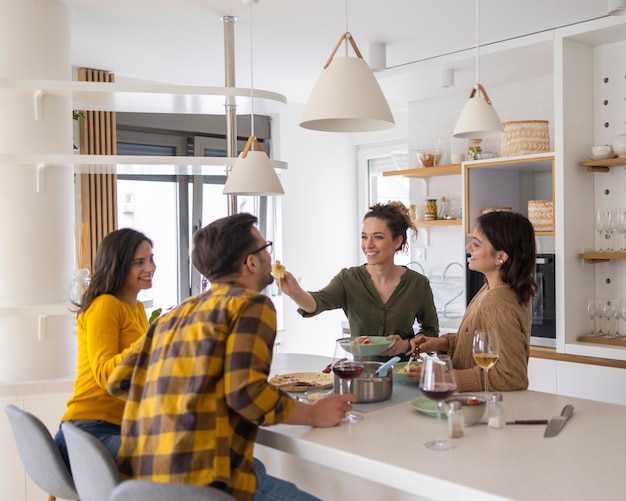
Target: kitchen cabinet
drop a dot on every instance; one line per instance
(589, 73)
(507, 182)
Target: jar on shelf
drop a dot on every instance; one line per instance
(473, 148)
(431, 210)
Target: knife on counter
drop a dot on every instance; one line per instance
(557, 423)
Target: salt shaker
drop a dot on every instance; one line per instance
(495, 411)
(455, 419)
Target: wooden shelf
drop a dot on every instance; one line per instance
(601, 257)
(603, 340)
(439, 222)
(602, 165)
(443, 170)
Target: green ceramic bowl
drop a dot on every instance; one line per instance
(401, 376)
(472, 406)
(377, 345)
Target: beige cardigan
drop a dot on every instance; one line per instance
(497, 309)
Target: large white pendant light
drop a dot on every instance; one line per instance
(478, 118)
(252, 172)
(347, 97)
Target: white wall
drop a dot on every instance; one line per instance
(321, 223)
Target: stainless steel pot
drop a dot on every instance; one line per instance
(368, 387)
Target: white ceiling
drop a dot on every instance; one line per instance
(182, 41)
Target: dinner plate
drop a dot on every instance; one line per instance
(401, 376)
(302, 381)
(602, 157)
(426, 406)
(377, 345)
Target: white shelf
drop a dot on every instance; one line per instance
(149, 98)
(38, 310)
(130, 164)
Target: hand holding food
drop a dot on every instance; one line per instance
(278, 270)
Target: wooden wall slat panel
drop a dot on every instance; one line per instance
(98, 191)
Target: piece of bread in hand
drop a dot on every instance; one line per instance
(278, 270)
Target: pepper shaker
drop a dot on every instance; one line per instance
(456, 422)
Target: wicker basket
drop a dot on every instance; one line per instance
(541, 214)
(524, 137)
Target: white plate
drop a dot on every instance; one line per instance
(602, 157)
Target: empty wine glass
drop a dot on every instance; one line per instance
(437, 382)
(347, 364)
(622, 310)
(610, 217)
(621, 227)
(615, 313)
(485, 350)
(591, 315)
(604, 311)
(600, 227)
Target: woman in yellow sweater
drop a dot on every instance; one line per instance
(110, 320)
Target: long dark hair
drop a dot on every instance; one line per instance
(514, 234)
(114, 259)
(398, 219)
(220, 248)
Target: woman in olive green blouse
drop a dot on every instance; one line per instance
(379, 297)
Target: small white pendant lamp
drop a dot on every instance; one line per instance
(347, 97)
(478, 118)
(252, 173)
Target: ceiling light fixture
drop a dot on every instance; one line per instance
(347, 97)
(478, 118)
(252, 173)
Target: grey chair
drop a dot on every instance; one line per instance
(39, 455)
(94, 471)
(141, 490)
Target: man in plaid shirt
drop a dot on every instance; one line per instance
(196, 384)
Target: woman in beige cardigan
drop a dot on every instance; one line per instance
(503, 249)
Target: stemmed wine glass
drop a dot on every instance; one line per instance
(622, 311)
(600, 227)
(485, 350)
(604, 311)
(348, 364)
(437, 382)
(591, 315)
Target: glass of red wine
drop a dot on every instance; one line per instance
(348, 365)
(437, 382)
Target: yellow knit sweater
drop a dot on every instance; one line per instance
(105, 332)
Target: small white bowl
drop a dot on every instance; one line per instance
(602, 150)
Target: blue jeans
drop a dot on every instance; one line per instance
(109, 434)
(270, 488)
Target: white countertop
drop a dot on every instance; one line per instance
(585, 461)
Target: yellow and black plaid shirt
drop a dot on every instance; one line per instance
(197, 391)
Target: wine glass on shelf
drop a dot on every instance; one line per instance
(347, 365)
(604, 311)
(600, 227)
(622, 312)
(437, 382)
(610, 217)
(591, 315)
(614, 314)
(621, 227)
(485, 350)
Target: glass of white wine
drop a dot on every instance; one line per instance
(485, 350)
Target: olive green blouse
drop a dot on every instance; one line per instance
(352, 290)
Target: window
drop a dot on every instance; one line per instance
(169, 208)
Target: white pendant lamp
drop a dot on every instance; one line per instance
(252, 173)
(347, 97)
(478, 118)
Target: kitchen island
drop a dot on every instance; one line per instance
(383, 456)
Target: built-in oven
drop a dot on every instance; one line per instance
(543, 332)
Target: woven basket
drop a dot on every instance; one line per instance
(541, 214)
(524, 137)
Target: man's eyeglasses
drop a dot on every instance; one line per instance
(268, 245)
